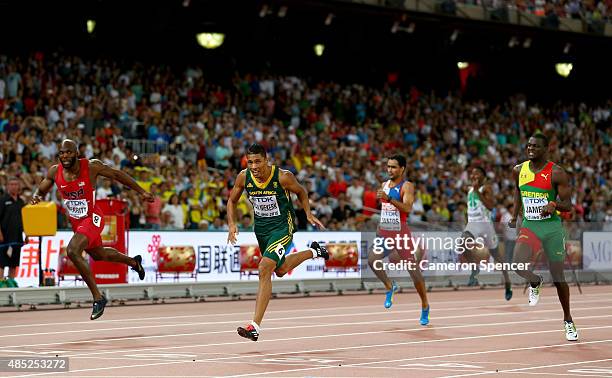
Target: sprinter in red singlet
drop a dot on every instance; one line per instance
(75, 179)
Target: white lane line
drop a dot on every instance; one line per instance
(531, 368)
(484, 362)
(342, 315)
(172, 317)
(249, 313)
(558, 374)
(310, 326)
(567, 344)
(335, 349)
(357, 347)
(419, 368)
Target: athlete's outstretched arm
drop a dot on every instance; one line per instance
(99, 168)
(517, 197)
(289, 182)
(232, 201)
(45, 186)
(564, 192)
(487, 197)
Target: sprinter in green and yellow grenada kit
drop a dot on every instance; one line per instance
(542, 189)
(268, 188)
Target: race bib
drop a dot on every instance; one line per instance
(96, 219)
(76, 208)
(389, 217)
(474, 213)
(280, 251)
(265, 206)
(533, 207)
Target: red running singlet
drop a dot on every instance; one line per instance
(79, 197)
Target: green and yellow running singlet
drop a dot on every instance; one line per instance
(274, 215)
(537, 191)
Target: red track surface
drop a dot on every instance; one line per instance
(472, 333)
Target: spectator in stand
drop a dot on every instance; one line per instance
(152, 210)
(355, 193)
(173, 209)
(104, 191)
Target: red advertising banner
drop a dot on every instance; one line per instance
(114, 235)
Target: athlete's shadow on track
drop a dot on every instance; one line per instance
(510, 308)
(97, 342)
(424, 333)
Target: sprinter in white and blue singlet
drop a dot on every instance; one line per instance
(397, 196)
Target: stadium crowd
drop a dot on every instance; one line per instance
(588, 10)
(334, 137)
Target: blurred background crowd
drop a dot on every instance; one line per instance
(588, 10)
(183, 137)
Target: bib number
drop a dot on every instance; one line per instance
(96, 219)
(280, 251)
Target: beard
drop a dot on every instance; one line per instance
(68, 163)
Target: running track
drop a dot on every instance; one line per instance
(472, 333)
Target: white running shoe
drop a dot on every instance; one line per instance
(571, 334)
(534, 293)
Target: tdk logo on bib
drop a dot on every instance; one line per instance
(265, 206)
(536, 201)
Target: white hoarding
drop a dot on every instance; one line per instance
(27, 274)
(216, 260)
(597, 251)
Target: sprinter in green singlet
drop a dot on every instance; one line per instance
(542, 189)
(268, 189)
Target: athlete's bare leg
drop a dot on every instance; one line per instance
(264, 293)
(112, 255)
(380, 273)
(74, 249)
(292, 261)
